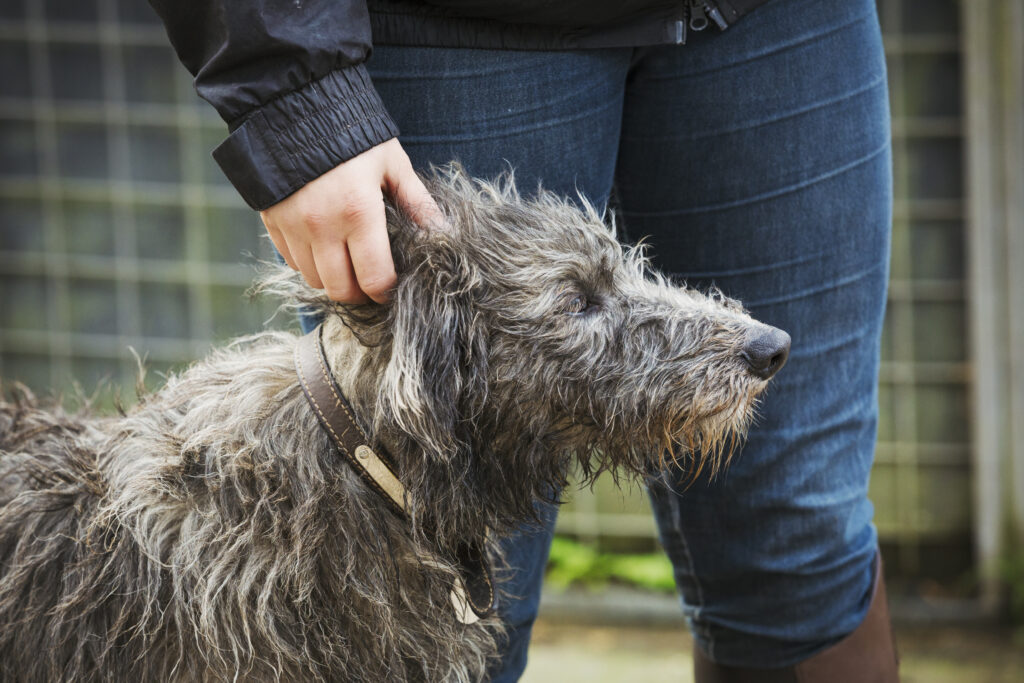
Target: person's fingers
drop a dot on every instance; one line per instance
(370, 251)
(303, 257)
(335, 269)
(364, 230)
(281, 245)
(408, 192)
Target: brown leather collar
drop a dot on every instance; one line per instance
(377, 469)
(335, 415)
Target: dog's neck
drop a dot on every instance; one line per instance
(350, 362)
(344, 354)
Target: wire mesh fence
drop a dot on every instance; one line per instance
(116, 228)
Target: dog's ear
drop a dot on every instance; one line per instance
(438, 360)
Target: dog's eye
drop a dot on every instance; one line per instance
(578, 304)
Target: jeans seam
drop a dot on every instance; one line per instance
(509, 132)
(770, 194)
(790, 114)
(704, 631)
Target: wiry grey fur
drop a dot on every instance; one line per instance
(211, 532)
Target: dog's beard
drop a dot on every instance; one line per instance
(699, 436)
(709, 442)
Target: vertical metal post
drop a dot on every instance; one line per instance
(994, 104)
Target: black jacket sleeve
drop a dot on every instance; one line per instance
(288, 77)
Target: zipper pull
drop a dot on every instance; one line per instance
(699, 13)
(716, 16)
(698, 19)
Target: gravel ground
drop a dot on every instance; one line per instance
(569, 652)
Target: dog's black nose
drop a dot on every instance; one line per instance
(766, 352)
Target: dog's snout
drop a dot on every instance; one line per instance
(766, 352)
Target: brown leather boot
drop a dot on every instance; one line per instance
(868, 655)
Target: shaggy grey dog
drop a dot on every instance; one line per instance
(212, 532)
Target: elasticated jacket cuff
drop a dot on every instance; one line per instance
(299, 136)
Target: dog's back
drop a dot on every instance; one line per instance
(54, 554)
(210, 534)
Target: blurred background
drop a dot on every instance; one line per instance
(117, 230)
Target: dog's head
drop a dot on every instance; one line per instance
(524, 338)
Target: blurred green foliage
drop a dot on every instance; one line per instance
(572, 563)
(1012, 571)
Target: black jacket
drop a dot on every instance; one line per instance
(288, 76)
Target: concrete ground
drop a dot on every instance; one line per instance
(565, 652)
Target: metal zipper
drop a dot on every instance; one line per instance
(680, 32)
(698, 20)
(698, 13)
(696, 16)
(680, 25)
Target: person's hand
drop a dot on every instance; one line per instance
(333, 229)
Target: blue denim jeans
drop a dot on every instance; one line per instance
(757, 160)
